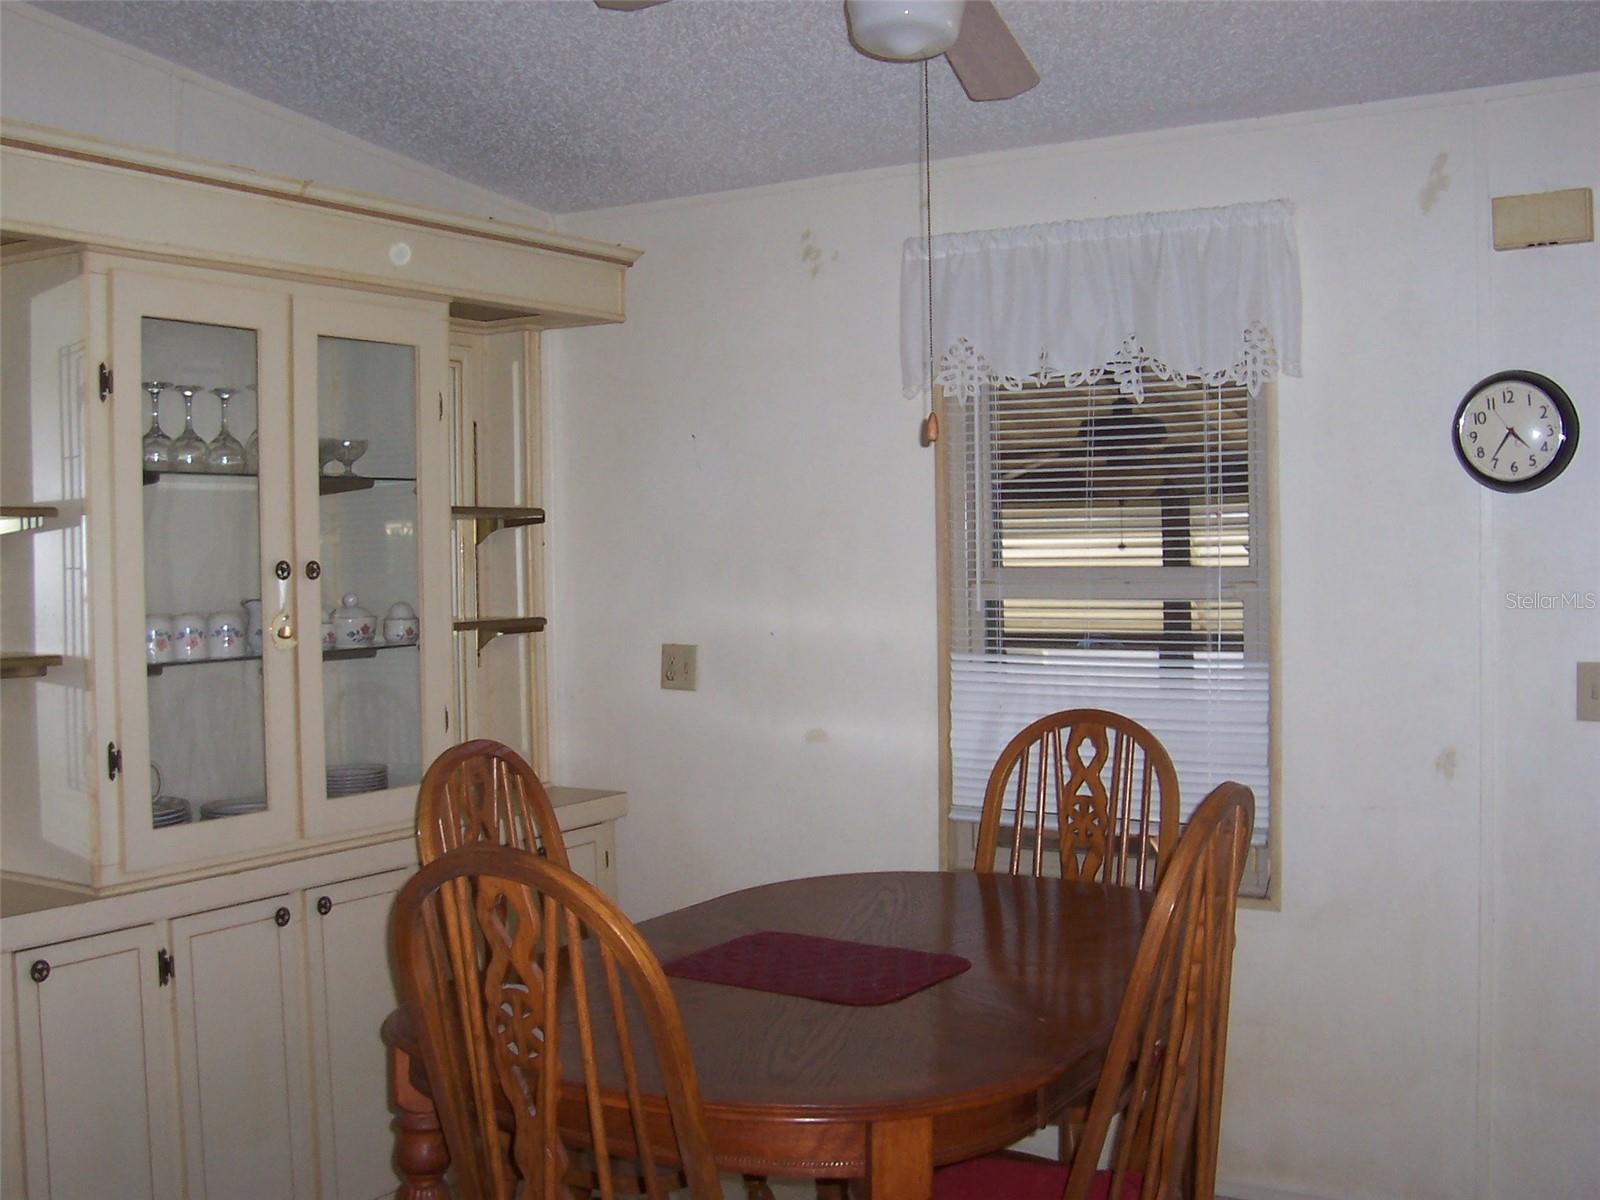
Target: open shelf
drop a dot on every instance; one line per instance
(327, 656)
(487, 519)
(27, 666)
(489, 628)
(327, 485)
(26, 518)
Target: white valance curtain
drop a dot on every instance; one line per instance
(1212, 293)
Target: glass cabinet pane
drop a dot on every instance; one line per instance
(203, 621)
(367, 453)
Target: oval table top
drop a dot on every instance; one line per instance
(792, 1085)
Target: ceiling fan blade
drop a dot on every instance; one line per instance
(986, 57)
(627, 5)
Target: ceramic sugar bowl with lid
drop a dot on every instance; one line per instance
(352, 624)
(400, 625)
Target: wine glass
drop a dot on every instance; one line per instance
(157, 445)
(188, 448)
(225, 452)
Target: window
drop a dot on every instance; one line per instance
(1112, 554)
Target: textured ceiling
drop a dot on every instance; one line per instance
(566, 107)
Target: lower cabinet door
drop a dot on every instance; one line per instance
(590, 851)
(352, 991)
(94, 1064)
(243, 1053)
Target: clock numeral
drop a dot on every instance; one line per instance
(1545, 448)
(1472, 435)
(1549, 431)
(1481, 418)
(1532, 461)
(1480, 452)
(1513, 468)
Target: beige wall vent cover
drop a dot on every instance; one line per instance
(1544, 219)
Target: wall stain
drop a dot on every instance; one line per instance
(815, 736)
(811, 255)
(1438, 181)
(1445, 764)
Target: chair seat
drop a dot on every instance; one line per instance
(1011, 1176)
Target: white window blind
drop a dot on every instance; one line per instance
(1111, 554)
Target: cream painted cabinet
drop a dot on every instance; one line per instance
(95, 1067)
(243, 1052)
(347, 933)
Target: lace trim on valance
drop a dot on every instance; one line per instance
(963, 373)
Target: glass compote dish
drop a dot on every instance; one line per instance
(157, 445)
(346, 451)
(188, 448)
(225, 453)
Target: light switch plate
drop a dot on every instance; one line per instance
(1589, 691)
(679, 669)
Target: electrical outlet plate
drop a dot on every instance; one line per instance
(1589, 691)
(679, 670)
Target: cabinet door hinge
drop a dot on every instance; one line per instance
(441, 406)
(113, 760)
(105, 383)
(447, 720)
(164, 967)
(608, 858)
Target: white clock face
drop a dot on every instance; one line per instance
(1510, 431)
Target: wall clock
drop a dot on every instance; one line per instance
(1515, 431)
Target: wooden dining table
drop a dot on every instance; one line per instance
(798, 1088)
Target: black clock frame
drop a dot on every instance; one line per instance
(1569, 423)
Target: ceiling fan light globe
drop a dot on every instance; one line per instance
(904, 30)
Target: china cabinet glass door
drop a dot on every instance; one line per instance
(202, 489)
(372, 468)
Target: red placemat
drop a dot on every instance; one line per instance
(818, 968)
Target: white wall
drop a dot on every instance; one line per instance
(53, 72)
(735, 467)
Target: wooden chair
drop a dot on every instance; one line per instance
(519, 974)
(484, 791)
(1111, 784)
(1163, 1072)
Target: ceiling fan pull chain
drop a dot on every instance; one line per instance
(930, 423)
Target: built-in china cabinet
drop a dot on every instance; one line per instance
(271, 539)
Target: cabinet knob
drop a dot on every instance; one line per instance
(40, 971)
(281, 917)
(313, 569)
(283, 570)
(324, 905)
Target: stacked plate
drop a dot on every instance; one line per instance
(212, 809)
(168, 810)
(347, 779)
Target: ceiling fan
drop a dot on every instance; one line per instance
(971, 34)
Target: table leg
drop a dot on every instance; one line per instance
(900, 1160)
(420, 1154)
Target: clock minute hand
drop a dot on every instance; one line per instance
(1510, 433)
